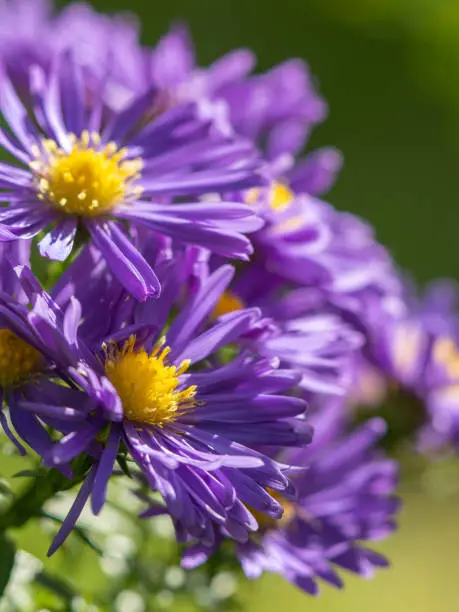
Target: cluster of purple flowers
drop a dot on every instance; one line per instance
(226, 390)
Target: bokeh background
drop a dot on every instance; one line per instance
(390, 72)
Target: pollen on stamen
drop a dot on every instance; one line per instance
(18, 359)
(89, 180)
(149, 388)
(279, 196)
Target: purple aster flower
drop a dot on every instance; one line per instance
(345, 497)
(98, 40)
(307, 243)
(277, 109)
(28, 358)
(31, 32)
(279, 106)
(416, 354)
(190, 419)
(77, 169)
(25, 37)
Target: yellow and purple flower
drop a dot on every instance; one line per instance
(415, 355)
(345, 499)
(78, 170)
(161, 392)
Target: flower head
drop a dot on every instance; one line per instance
(27, 358)
(146, 384)
(189, 419)
(415, 356)
(307, 243)
(77, 170)
(31, 33)
(345, 496)
(18, 359)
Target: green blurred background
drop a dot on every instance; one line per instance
(390, 72)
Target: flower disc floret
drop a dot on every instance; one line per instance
(87, 181)
(147, 386)
(228, 302)
(447, 355)
(18, 359)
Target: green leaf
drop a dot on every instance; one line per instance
(7, 554)
(28, 474)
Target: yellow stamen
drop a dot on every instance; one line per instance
(281, 197)
(446, 354)
(146, 385)
(228, 302)
(87, 181)
(18, 359)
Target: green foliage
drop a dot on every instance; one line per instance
(7, 555)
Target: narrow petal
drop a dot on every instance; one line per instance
(125, 260)
(58, 243)
(220, 334)
(202, 304)
(74, 513)
(105, 470)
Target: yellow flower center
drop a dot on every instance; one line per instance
(146, 385)
(279, 197)
(228, 302)
(267, 522)
(87, 181)
(447, 355)
(18, 359)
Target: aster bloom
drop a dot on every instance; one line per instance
(276, 109)
(280, 106)
(77, 170)
(26, 358)
(188, 419)
(306, 242)
(98, 40)
(417, 354)
(31, 32)
(345, 497)
(25, 35)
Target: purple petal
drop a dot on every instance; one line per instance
(74, 512)
(214, 237)
(125, 260)
(223, 332)
(105, 470)
(58, 243)
(10, 434)
(202, 304)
